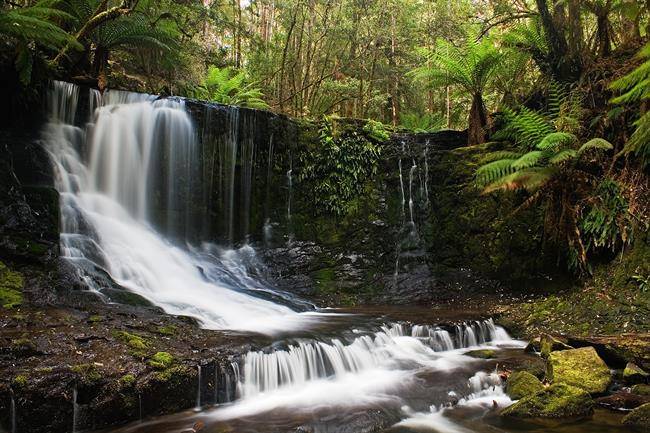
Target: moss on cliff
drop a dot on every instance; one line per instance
(11, 284)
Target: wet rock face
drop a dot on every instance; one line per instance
(29, 205)
(556, 401)
(581, 368)
(634, 374)
(639, 418)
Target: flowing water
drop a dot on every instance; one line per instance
(128, 176)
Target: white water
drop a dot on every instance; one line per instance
(107, 173)
(370, 369)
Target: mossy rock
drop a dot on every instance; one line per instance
(522, 384)
(481, 353)
(557, 401)
(582, 368)
(11, 285)
(639, 418)
(634, 374)
(161, 360)
(546, 344)
(641, 389)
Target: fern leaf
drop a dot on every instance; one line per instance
(562, 156)
(595, 143)
(528, 160)
(556, 140)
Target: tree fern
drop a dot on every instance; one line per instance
(636, 89)
(224, 86)
(35, 24)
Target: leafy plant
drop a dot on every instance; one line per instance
(636, 88)
(555, 171)
(470, 67)
(338, 168)
(421, 123)
(225, 86)
(33, 26)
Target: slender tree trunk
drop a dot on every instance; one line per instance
(477, 120)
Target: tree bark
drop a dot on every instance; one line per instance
(477, 120)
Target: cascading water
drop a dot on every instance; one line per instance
(126, 176)
(135, 157)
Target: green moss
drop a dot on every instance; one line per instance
(172, 374)
(634, 374)
(481, 353)
(87, 373)
(556, 401)
(126, 381)
(641, 389)
(581, 368)
(161, 360)
(134, 341)
(522, 384)
(167, 330)
(639, 417)
(95, 318)
(23, 345)
(20, 381)
(11, 285)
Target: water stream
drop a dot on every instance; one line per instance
(127, 175)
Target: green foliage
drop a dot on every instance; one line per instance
(134, 341)
(132, 31)
(161, 360)
(421, 123)
(471, 67)
(31, 27)
(226, 86)
(555, 173)
(636, 89)
(607, 223)
(338, 168)
(11, 285)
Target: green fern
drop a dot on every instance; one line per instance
(225, 86)
(37, 24)
(636, 89)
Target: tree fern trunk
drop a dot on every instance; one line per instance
(477, 120)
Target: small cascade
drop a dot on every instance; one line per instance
(227, 165)
(426, 171)
(12, 413)
(311, 360)
(198, 389)
(411, 203)
(268, 228)
(216, 383)
(290, 188)
(75, 410)
(401, 177)
(236, 379)
(247, 145)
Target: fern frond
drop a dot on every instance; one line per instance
(528, 160)
(562, 156)
(530, 179)
(639, 142)
(595, 143)
(502, 154)
(494, 170)
(556, 140)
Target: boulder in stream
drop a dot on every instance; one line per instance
(634, 374)
(639, 418)
(582, 368)
(557, 401)
(522, 384)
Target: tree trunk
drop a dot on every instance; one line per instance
(477, 121)
(604, 36)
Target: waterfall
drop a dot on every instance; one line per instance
(401, 178)
(132, 162)
(75, 410)
(216, 383)
(426, 171)
(411, 171)
(12, 414)
(198, 389)
(268, 228)
(140, 407)
(312, 360)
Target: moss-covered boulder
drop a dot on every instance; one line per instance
(582, 368)
(639, 418)
(522, 384)
(556, 401)
(641, 389)
(634, 374)
(481, 353)
(11, 285)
